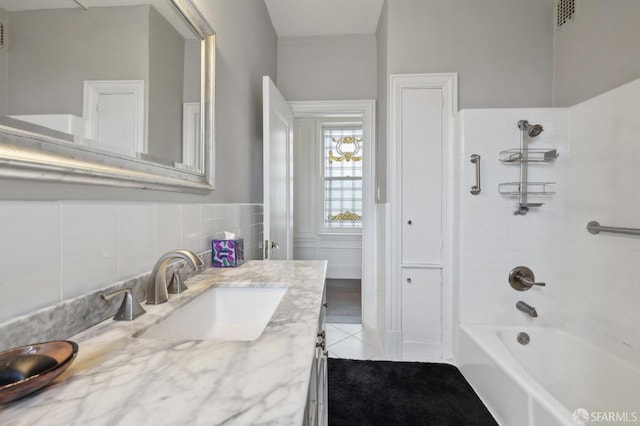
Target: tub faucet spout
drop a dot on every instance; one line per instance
(527, 309)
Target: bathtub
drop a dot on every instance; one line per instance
(555, 379)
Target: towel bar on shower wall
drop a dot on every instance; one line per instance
(594, 227)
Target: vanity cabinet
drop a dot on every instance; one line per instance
(316, 412)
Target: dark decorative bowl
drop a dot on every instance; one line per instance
(28, 368)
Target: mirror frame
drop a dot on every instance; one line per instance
(43, 155)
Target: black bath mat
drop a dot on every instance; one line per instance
(401, 393)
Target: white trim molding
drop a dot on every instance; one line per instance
(448, 83)
(365, 109)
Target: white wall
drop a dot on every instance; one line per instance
(327, 68)
(603, 300)
(491, 240)
(56, 250)
(597, 51)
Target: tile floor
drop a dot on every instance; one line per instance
(350, 341)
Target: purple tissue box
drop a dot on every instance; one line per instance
(227, 252)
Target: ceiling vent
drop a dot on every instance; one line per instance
(565, 12)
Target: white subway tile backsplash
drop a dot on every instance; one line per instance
(36, 291)
(136, 228)
(168, 230)
(57, 250)
(28, 220)
(80, 278)
(89, 233)
(137, 263)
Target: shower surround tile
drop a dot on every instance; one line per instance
(491, 239)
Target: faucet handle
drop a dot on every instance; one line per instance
(130, 308)
(529, 282)
(176, 285)
(521, 278)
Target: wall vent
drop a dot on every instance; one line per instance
(1, 35)
(565, 12)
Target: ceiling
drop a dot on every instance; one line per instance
(304, 18)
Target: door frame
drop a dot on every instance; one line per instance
(448, 83)
(366, 109)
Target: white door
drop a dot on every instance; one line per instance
(278, 173)
(114, 113)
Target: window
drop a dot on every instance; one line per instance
(342, 177)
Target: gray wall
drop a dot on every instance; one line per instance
(597, 51)
(502, 49)
(327, 68)
(45, 43)
(191, 89)
(165, 88)
(246, 50)
(3, 69)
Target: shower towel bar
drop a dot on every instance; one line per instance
(595, 228)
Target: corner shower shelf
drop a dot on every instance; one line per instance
(538, 155)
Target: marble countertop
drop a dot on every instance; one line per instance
(121, 380)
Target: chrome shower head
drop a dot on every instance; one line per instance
(532, 130)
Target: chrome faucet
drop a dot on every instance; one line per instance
(527, 309)
(157, 291)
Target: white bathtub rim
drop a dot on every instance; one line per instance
(505, 359)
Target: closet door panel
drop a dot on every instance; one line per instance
(422, 310)
(421, 176)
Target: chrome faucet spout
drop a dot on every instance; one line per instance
(527, 309)
(157, 290)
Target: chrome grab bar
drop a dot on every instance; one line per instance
(475, 159)
(594, 227)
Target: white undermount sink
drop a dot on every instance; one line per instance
(221, 313)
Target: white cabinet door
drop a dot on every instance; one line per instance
(421, 313)
(421, 168)
(421, 112)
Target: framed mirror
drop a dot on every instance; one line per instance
(107, 92)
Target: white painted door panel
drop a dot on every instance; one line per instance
(421, 176)
(421, 312)
(114, 111)
(116, 124)
(277, 173)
